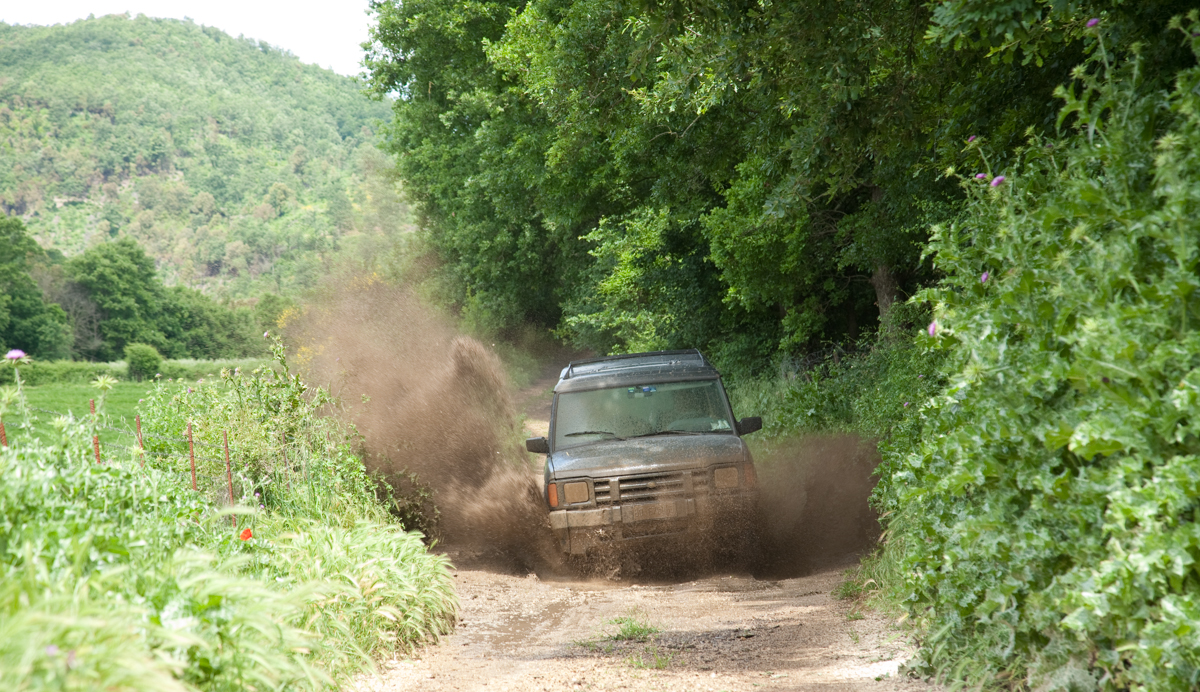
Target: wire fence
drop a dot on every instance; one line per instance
(195, 449)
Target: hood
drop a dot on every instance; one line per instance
(645, 454)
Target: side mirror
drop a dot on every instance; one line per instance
(748, 425)
(539, 445)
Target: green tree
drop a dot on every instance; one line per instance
(120, 279)
(27, 321)
(196, 326)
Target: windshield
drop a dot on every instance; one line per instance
(664, 408)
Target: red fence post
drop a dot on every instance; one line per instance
(229, 475)
(4, 438)
(192, 455)
(141, 447)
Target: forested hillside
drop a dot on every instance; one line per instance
(235, 166)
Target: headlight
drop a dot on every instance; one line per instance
(726, 477)
(575, 492)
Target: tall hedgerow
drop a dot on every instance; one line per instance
(1052, 510)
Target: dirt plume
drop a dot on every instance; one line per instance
(434, 403)
(814, 510)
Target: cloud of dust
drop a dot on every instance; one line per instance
(813, 503)
(430, 401)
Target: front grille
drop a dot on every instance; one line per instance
(652, 487)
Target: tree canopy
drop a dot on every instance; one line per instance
(27, 321)
(753, 178)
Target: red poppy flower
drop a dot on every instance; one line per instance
(246, 535)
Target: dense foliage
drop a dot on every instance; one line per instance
(27, 321)
(119, 576)
(236, 166)
(95, 304)
(754, 179)
(1051, 506)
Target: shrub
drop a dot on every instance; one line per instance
(41, 372)
(1051, 514)
(142, 360)
(873, 391)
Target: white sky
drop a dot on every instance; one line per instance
(327, 33)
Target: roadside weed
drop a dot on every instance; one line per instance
(632, 630)
(650, 657)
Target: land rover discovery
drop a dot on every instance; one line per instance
(645, 447)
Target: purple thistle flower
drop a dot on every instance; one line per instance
(266, 334)
(52, 650)
(983, 279)
(15, 354)
(996, 182)
(981, 176)
(906, 404)
(970, 139)
(1093, 22)
(933, 328)
(920, 377)
(189, 390)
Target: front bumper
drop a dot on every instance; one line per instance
(580, 530)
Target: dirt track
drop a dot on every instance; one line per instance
(715, 632)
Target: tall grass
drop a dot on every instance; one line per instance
(118, 576)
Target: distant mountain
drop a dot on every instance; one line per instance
(237, 167)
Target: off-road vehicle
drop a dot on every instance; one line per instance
(645, 447)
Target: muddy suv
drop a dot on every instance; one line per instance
(645, 446)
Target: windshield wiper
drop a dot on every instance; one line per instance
(668, 432)
(591, 432)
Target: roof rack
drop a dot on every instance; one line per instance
(569, 370)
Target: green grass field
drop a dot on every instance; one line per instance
(51, 400)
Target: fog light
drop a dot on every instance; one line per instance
(725, 477)
(575, 492)
(552, 494)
